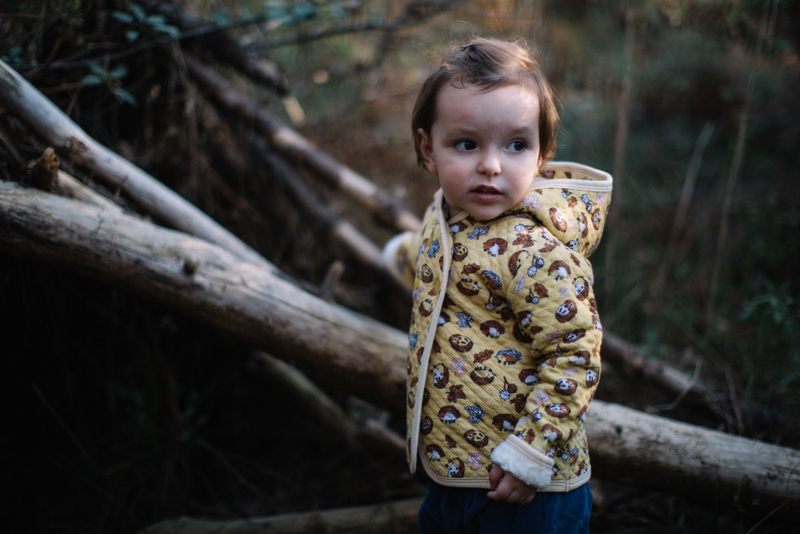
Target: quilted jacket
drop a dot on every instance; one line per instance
(504, 342)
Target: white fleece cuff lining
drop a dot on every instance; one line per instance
(389, 252)
(528, 465)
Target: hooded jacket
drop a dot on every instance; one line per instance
(504, 342)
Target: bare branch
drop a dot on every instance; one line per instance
(294, 146)
(71, 142)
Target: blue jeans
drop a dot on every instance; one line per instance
(469, 511)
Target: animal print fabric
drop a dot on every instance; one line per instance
(504, 342)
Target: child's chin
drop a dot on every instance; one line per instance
(486, 213)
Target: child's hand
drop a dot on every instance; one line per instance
(507, 487)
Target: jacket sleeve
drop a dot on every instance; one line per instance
(550, 291)
(400, 256)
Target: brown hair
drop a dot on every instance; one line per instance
(488, 63)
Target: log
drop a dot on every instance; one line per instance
(355, 354)
(657, 372)
(348, 351)
(652, 452)
(398, 516)
(72, 143)
(332, 419)
(350, 428)
(69, 187)
(699, 393)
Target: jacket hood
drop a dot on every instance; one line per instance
(570, 200)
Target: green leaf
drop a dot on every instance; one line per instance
(304, 11)
(156, 20)
(172, 31)
(138, 12)
(119, 72)
(91, 80)
(275, 11)
(97, 69)
(125, 96)
(131, 36)
(219, 17)
(126, 18)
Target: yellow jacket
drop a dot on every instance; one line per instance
(504, 343)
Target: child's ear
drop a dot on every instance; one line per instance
(426, 150)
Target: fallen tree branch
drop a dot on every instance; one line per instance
(333, 420)
(374, 519)
(651, 452)
(296, 147)
(70, 187)
(696, 392)
(358, 244)
(329, 343)
(356, 354)
(72, 143)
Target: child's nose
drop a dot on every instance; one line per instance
(489, 163)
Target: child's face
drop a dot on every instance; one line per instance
(483, 147)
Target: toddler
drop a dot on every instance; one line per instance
(504, 343)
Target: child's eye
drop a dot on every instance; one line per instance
(517, 145)
(464, 145)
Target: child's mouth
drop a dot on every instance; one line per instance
(485, 192)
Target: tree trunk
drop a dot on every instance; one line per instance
(355, 354)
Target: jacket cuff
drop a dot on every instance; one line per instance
(525, 463)
(389, 252)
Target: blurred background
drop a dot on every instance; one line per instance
(140, 415)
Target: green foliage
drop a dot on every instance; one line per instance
(773, 241)
(289, 12)
(775, 310)
(111, 79)
(14, 57)
(770, 322)
(138, 20)
(691, 64)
